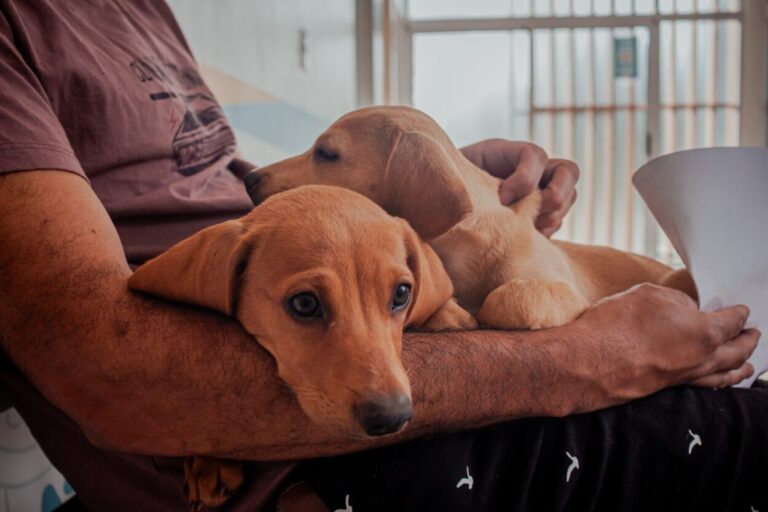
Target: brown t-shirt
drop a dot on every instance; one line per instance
(109, 90)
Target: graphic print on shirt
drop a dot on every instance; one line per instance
(347, 506)
(468, 481)
(574, 465)
(695, 442)
(204, 134)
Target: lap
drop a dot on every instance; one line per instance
(681, 449)
(642, 455)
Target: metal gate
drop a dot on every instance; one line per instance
(566, 87)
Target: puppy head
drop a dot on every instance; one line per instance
(396, 156)
(326, 281)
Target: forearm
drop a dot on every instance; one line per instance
(462, 380)
(469, 379)
(161, 379)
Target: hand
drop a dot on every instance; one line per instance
(523, 166)
(656, 337)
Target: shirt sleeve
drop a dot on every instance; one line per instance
(31, 135)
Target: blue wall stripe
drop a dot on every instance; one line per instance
(278, 123)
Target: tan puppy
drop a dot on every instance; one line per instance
(326, 281)
(504, 271)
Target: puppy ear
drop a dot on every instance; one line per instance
(203, 270)
(433, 287)
(424, 187)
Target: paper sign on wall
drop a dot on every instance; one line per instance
(625, 57)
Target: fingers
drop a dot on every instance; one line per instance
(558, 194)
(474, 153)
(728, 364)
(549, 223)
(726, 324)
(736, 351)
(727, 378)
(559, 185)
(520, 164)
(526, 176)
(497, 157)
(523, 166)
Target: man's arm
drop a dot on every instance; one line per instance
(141, 375)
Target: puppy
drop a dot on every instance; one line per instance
(504, 271)
(325, 281)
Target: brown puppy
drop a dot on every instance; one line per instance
(504, 271)
(326, 281)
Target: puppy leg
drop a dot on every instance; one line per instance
(681, 280)
(450, 317)
(531, 304)
(210, 482)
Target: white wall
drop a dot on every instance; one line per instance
(258, 42)
(28, 481)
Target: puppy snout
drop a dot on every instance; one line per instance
(252, 180)
(382, 415)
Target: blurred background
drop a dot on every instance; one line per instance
(608, 83)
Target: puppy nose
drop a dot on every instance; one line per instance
(252, 180)
(382, 415)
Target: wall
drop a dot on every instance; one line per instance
(283, 69)
(28, 481)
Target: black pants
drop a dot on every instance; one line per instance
(681, 449)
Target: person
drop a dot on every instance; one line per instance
(112, 148)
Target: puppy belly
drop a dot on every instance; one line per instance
(531, 304)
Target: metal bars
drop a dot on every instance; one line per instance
(551, 22)
(686, 94)
(452, 9)
(596, 119)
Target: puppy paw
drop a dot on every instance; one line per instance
(450, 317)
(681, 280)
(210, 482)
(531, 304)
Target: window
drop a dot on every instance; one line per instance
(608, 83)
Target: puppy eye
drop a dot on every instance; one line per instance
(326, 154)
(401, 296)
(305, 305)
